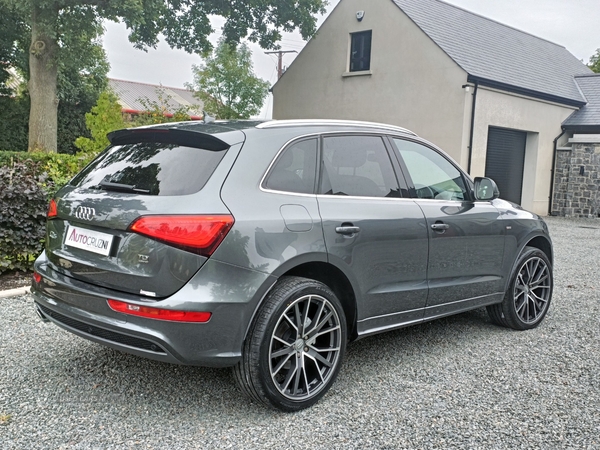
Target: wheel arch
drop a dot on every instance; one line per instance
(318, 270)
(542, 243)
(337, 281)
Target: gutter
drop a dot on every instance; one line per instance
(551, 198)
(139, 113)
(472, 125)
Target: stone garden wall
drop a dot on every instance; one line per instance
(577, 179)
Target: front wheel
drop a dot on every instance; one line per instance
(527, 299)
(295, 346)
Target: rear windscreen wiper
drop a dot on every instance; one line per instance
(109, 186)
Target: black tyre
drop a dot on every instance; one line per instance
(295, 346)
(528, 296)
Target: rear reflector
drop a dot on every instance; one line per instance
(198, 234)
(157, 313)
(37, 277)
(52, 210)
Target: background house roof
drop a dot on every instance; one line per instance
(130, 93)
(497, 55)
(588, 115)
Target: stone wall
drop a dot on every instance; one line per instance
(577, 179)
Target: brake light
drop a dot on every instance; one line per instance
(158, 313)
(198, 234)
(52, 210)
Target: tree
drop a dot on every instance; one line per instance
(12, 30)
(161, 111)
(105, 116)
(595, 62)
(227, 85)
(81, 77)
(57, 24)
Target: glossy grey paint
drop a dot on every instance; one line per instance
(275, 232)
(388, 256)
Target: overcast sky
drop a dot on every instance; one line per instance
(574, 24)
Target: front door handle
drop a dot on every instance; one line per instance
(347, 230)
(439, 226)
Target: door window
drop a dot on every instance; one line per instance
(357, 166)
(433, 176)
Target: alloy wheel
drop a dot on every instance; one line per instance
(532, 290)
(305, 347)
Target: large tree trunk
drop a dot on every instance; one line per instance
(43, 78)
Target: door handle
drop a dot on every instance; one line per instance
(347, 230)
(439, 226)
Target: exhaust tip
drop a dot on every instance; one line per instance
(41, 314)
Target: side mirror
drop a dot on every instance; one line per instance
(486, 189)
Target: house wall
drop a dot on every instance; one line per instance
(412, 82)
(577, 178)
(542, 122)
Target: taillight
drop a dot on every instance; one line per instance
(52, 210)
(158, 313)
(199, 234)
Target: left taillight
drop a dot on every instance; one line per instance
(158, 313)
(198, 234)
(52, 210)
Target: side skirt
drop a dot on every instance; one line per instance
(380, 324)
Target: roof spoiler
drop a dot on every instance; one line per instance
(168, 136)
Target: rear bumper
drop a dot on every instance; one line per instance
(82, 309)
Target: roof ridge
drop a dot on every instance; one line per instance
(497, 22)
(149, 84)
(586, 75)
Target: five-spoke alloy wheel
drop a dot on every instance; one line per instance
(295, 346)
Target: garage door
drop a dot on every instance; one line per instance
(505, 160)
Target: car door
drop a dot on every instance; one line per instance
(373, 234)
(466, 238)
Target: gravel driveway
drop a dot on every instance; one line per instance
(458, 382)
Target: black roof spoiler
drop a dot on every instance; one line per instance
(168, 136)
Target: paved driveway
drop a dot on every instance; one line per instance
(455, 383)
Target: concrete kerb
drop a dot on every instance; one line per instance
(15, 292)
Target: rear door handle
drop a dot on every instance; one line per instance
(347, 230)
(440, 226)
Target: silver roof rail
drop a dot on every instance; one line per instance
(328, 122)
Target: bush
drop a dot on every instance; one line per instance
(27, 182)
(23, 201)
(60, 168)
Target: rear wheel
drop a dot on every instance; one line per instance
(295, 347)
(527, 299)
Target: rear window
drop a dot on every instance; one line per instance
(152, 168)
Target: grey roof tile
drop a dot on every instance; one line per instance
(489, 50)
(130, 93)
(588, 115)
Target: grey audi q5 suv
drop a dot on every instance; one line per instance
(268, 246)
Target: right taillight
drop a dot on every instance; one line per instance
(198, 234)
(52, 210)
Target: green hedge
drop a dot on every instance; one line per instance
(27, 182)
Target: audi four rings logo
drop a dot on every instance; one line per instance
(85, 213)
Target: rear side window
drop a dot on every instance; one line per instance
(358, 166)
(153, 168)
(295, 169)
